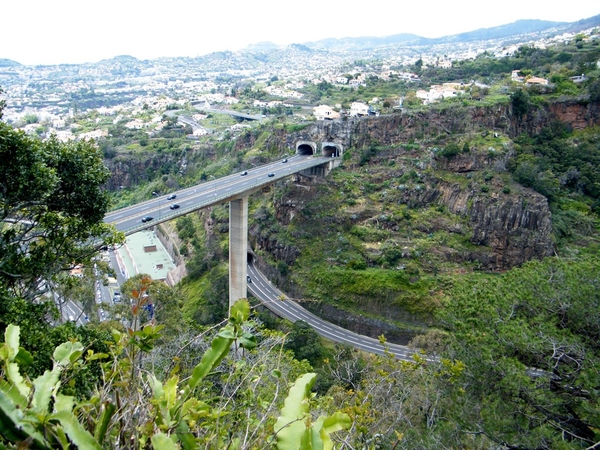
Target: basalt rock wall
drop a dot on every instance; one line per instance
(403, 127)
(515, 228)
(128, 171)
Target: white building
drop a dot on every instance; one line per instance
(323, 112)
(358, 109)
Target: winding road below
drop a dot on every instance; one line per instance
(280, 304)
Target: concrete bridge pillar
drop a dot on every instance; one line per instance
(238, 249)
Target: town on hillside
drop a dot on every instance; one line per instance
(96, 100)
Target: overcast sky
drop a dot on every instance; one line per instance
(75, 31)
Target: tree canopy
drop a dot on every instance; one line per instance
(52, 205)
(530, 344)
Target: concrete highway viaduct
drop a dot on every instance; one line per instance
(310, 159)
(238, 216)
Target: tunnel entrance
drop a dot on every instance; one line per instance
(331, 150)
(305, 148)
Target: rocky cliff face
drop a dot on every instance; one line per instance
(397, 128)
(385, 130)
(516, 227)
(507, 228)
(286, 209)
(133, 170)
(270, 245)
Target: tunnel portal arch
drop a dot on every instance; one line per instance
(306, 148)
(331, 150)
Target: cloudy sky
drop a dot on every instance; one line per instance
(75, 31)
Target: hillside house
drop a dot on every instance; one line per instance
(409, 77)
(359, 109)
(356, 82)
(438, 92)
(135, 124)
(536, 80)
(578, 78)
(96, 134)
(239, 127)
(323, 112)
(63, 135)
(199, 132)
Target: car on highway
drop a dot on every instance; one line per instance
(147, 219)
(244, 173)
(271, 174)
(284, 161)
(174, 206)
(172, 197)
(248, 279)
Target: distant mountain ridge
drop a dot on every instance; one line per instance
(266, 53)
(520, 27)
(504, 31)
(363, 43)
(8, 63)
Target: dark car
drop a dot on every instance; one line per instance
(147, 219)
(171, 197)
(174, 206)
(285, 160)
(248, 279)
(271, 174)
(244, 173)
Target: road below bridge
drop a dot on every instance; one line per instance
(280, 304)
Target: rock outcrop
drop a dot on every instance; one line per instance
(516, 227)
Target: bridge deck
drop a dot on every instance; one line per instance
(209, 193)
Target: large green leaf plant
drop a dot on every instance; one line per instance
(140, 410)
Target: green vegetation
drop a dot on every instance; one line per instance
(182, 412)
(512, 359)
(52, 207)
(543, 316)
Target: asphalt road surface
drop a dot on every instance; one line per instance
(280, 304)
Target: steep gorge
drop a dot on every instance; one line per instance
(504, 223)
(516, 226)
